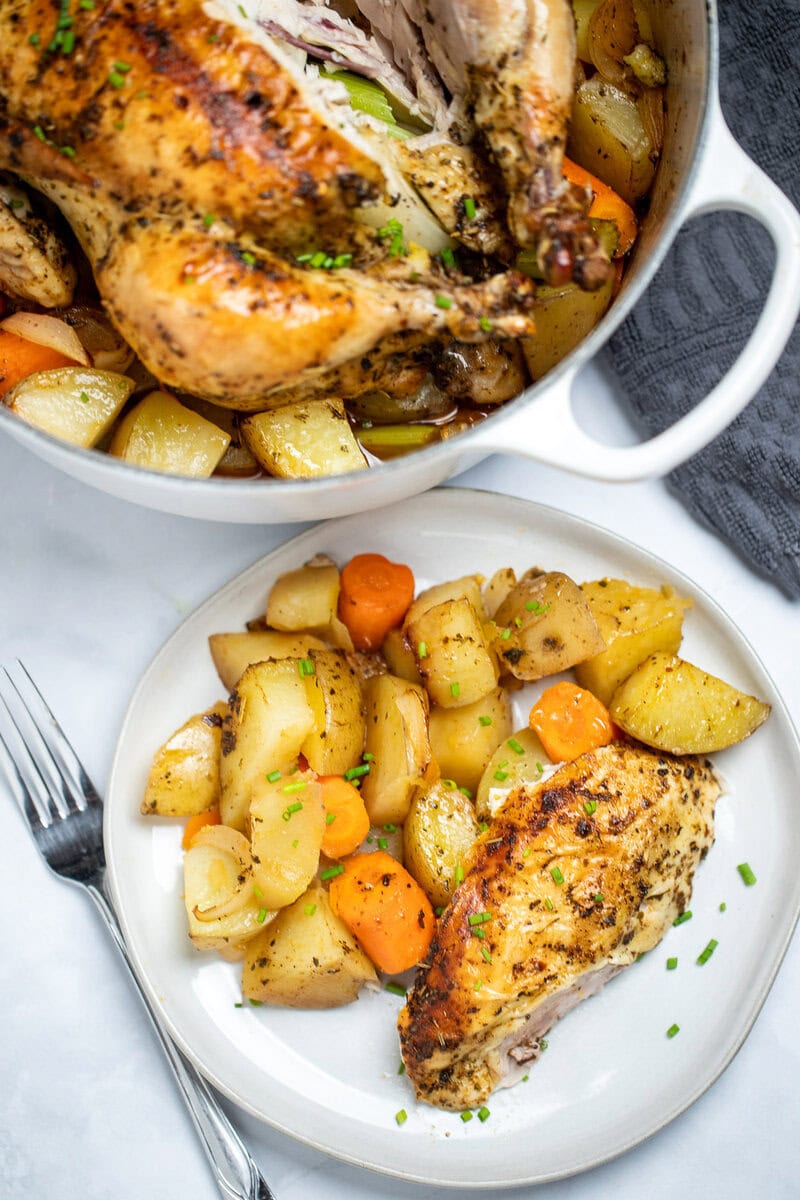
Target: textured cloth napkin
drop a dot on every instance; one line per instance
(705, 300)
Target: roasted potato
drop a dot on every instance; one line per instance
(397, 740)
(267, 720)
(496, 589)
(232, 652)
(565, 315)
(307, 599)
(439, 830)
(634, 623)
(222, 909)
(608, 138)
(400, 657)
(287, 821)
(467, 587)
(545, 626)
(672, 705)
(518, 759)
(337, 739)
(452, 653)
(304, 440)
(464, 739)
(161, 434)
(307, 958)
(184, 776)
(76, 404)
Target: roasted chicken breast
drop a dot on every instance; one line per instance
(574, 878)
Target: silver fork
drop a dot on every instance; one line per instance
(65, 815)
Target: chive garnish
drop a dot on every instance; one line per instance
(401, 1117)
(484, 721)
(390, 829)
(703, 958)
(116, 80)
(556, 873)
(485, 324)
(455, 690)
(466, 792)
(450, 784)
(248, 258)
(590, 807)
(262, 916)
(673, 1029)
(257, 892)
(442, 301)
(479, 918)
(723, 906)
(294, 787)
(485, 955)
(505, 635)
(401, 1070)
(367, 757)
(478, 932)
(501, 776)
(548, 903)
(746, 872)
(685, 916)
(310, 909)
(515, 746)
(330, 818)
(447, 256)
(459, 874)
(598, 898)
(356, 772)
(672, 964)
(208, 220)
(382, 844)
(437, 912)
(256, 1003)
(483, 1113)
(470, 208)
(122, 67)
(543, 1043)
(484, 825)
(34, 39)
(84, 397)
(466, 1116)
(273, 777)
(332, 872)
(526, 852)
(396, 989)
(422, 650)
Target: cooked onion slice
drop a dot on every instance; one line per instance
(613, 33)
(109, 351)
(231, 843)
(50, 332)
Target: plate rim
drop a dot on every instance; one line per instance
(527, 508)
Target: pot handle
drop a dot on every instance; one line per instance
(547, 430)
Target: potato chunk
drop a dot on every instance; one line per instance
(161, 434)
(464, 739)
(467, 587)
(565, 315)
(304, 440)
(608, 138)
(634, 623)
(308, 599)
(287, 821)
(76, 404)
(452, 652)
(336, 740)
(184, 776)
(267, 721)
(397, 739)
(545, 626)
(518, 759)
(232, 652)
(307, 958)
(439, 830)
(400, 657)
(674, 706)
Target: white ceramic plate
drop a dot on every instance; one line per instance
(610, 1076)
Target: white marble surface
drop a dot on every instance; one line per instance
(90, 589)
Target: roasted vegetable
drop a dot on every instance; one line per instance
(287, 823)
(520, 758)
(232, 652)
(304, 440)
(307, 599)
(222, 909)
(76, 404)
(464, 739)
(184, 776)
(440, 828)
(336, 740)
(398, 751)
(161, 434)
(452, 652)
(544, 626)
(607, 137)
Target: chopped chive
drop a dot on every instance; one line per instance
(396, 989)
(39, 133)
(273, 777)
(122, 67)
(208, 220)
(478, 985)
(88, 5)
(479, 918)
(401, 1117)
(238, 1004)
(356, 772)
(543, 1043)
(598, 898)
(257, 892)
(447, 256)
(248, 258)
(673, 1029)
(330, 818)
(484, 720)
(525, 1078)
(84, 397)
(518, 622)
(342, 260)
(401, 1070)
(548, 903)
(213, 37)
(262, 916)
(685, 916)
(367, 757)
(485, 324)
(470, 208)
(450, 784)
(746, 872)
(501, 776)
(723, 906)
(455, 690)
(332, 872)
(390, 829)
(442, 301)
(295, 843)
(241, 10)
(16, 203)
(590, 807)
(505, 635)
(382, 844)
(438, 910)
(294, 768)
(422, 650)
(478, 932)
(515, 746)
(484, 825)
(536, 607)
(459, 874)
(466, 1116)
(556, 873)
(318, 259)
(34, 39)
(466, 792)
(309, 909)
(672, 964)
(483, 1113)
(68, 41)
(116, 80)
(120, 125)
(703, 957)
(294, 787)
(485, 955)
(526, 852)
(256, 1003)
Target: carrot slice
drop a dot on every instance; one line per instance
(20, 358)
(347, 821)
(197, 822)
(374, 597)
(570, 721)
(606, 205)
(385, 908)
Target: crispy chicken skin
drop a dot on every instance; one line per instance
(627, 868)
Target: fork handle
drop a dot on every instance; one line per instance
(236, 1173)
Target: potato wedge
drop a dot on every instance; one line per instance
(507, 768)
(336, 740)
(184, 776)
(161, 434)
(452, 652)
(467, 587)
(308, 599)
(565, 315)
(634, 623)
(232, 652)
(607, 137)
(287, 821)
(76, 404)
(211, 879)
(440, 828)
(397, 739)
(306, 959)
(464, 739)
(400, 657)
(267, 721)
(672, 705)
(545, 626)
(304, 440)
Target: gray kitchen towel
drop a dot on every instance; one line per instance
(694, 318)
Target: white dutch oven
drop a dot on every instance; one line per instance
(702, 170)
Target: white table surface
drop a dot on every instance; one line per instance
(90, 588)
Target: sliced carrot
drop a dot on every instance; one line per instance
(20, 358)
(606, 205)
(570, 721)
(374, 597)
(197, 822)
(385, 908)
(346, 818)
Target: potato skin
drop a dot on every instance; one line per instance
(439, 830)
(233, 652)
(462, 744)
(452, 652)
(634, 622)
(184, 776)
(672, 705)
(307, 958)
(545, 626)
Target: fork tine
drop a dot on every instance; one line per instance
(70, 766)
(22, 793)
(41, 748)
(32, 757)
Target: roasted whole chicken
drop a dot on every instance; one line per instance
(575, 877)
(250, 230)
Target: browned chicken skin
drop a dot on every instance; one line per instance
(573, 895)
